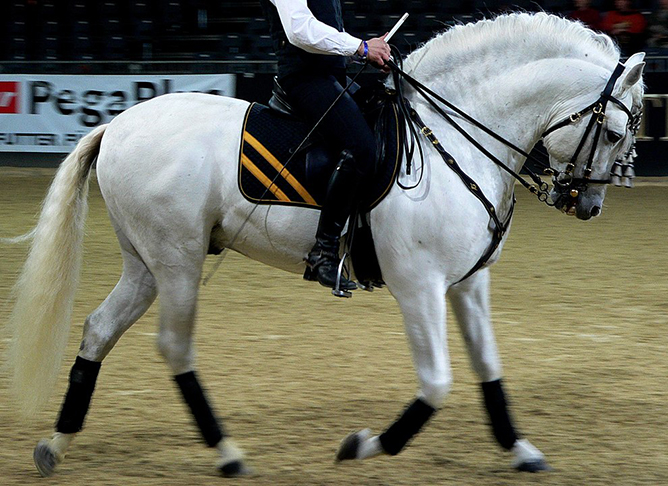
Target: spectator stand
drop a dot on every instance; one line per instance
(232, 36)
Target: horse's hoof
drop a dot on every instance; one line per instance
(45, 459)
(528, 458)
(350, 446)
(235, 469)
(534, 466)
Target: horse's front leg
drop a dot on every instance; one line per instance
(470, 302)
(178, 293)
(422, 302)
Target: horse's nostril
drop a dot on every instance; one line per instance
(595, 211)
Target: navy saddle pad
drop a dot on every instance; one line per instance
(267, 174)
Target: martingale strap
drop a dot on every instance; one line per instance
(539, 188)
(499, 227)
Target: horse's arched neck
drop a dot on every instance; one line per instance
(515, 75)
(517, 103)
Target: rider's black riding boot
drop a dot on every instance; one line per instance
(323, 259)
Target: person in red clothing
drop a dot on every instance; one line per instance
(584, 12)
(626, 25)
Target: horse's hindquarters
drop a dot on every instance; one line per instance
(167, 170)
(168, 183)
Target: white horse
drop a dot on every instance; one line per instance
(167, 170)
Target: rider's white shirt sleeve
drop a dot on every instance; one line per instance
(308, 33)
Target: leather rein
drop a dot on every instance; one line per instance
(564, 180)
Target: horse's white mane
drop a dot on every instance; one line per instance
(534, 36)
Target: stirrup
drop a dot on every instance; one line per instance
(337, 291)
(334, 280)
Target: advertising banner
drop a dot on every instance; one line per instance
(50, 113)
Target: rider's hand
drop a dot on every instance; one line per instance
(379, 52)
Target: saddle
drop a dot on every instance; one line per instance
(273, 171)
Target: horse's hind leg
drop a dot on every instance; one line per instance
(132, 296)
(470, 302)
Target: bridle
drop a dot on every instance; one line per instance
(567, 187)
(565, 182)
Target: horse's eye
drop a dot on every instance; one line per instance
(613, 137)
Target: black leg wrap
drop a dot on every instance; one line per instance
(405, 427)
(77, 400)
(497, 408)
(200, 408)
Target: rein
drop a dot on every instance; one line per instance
(540, 189)
(565, 180)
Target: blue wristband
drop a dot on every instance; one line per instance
(366, 50)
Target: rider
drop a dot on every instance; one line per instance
(312, 48)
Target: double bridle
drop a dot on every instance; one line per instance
(565, 182)
(566, 185)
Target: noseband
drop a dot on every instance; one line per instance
(565, 182)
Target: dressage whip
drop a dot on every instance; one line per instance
(296, 151)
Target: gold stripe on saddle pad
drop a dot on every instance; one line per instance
(270, 172)
(280, 195)
(269, 157)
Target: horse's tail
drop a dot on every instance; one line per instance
(44, 293)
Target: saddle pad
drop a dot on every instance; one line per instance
(268, 140)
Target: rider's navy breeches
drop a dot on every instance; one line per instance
(344, 127)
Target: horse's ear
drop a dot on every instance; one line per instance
(634, 66)
(635, 58)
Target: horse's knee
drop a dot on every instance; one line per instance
(434, 392)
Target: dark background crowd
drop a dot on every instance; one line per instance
(187, 30)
